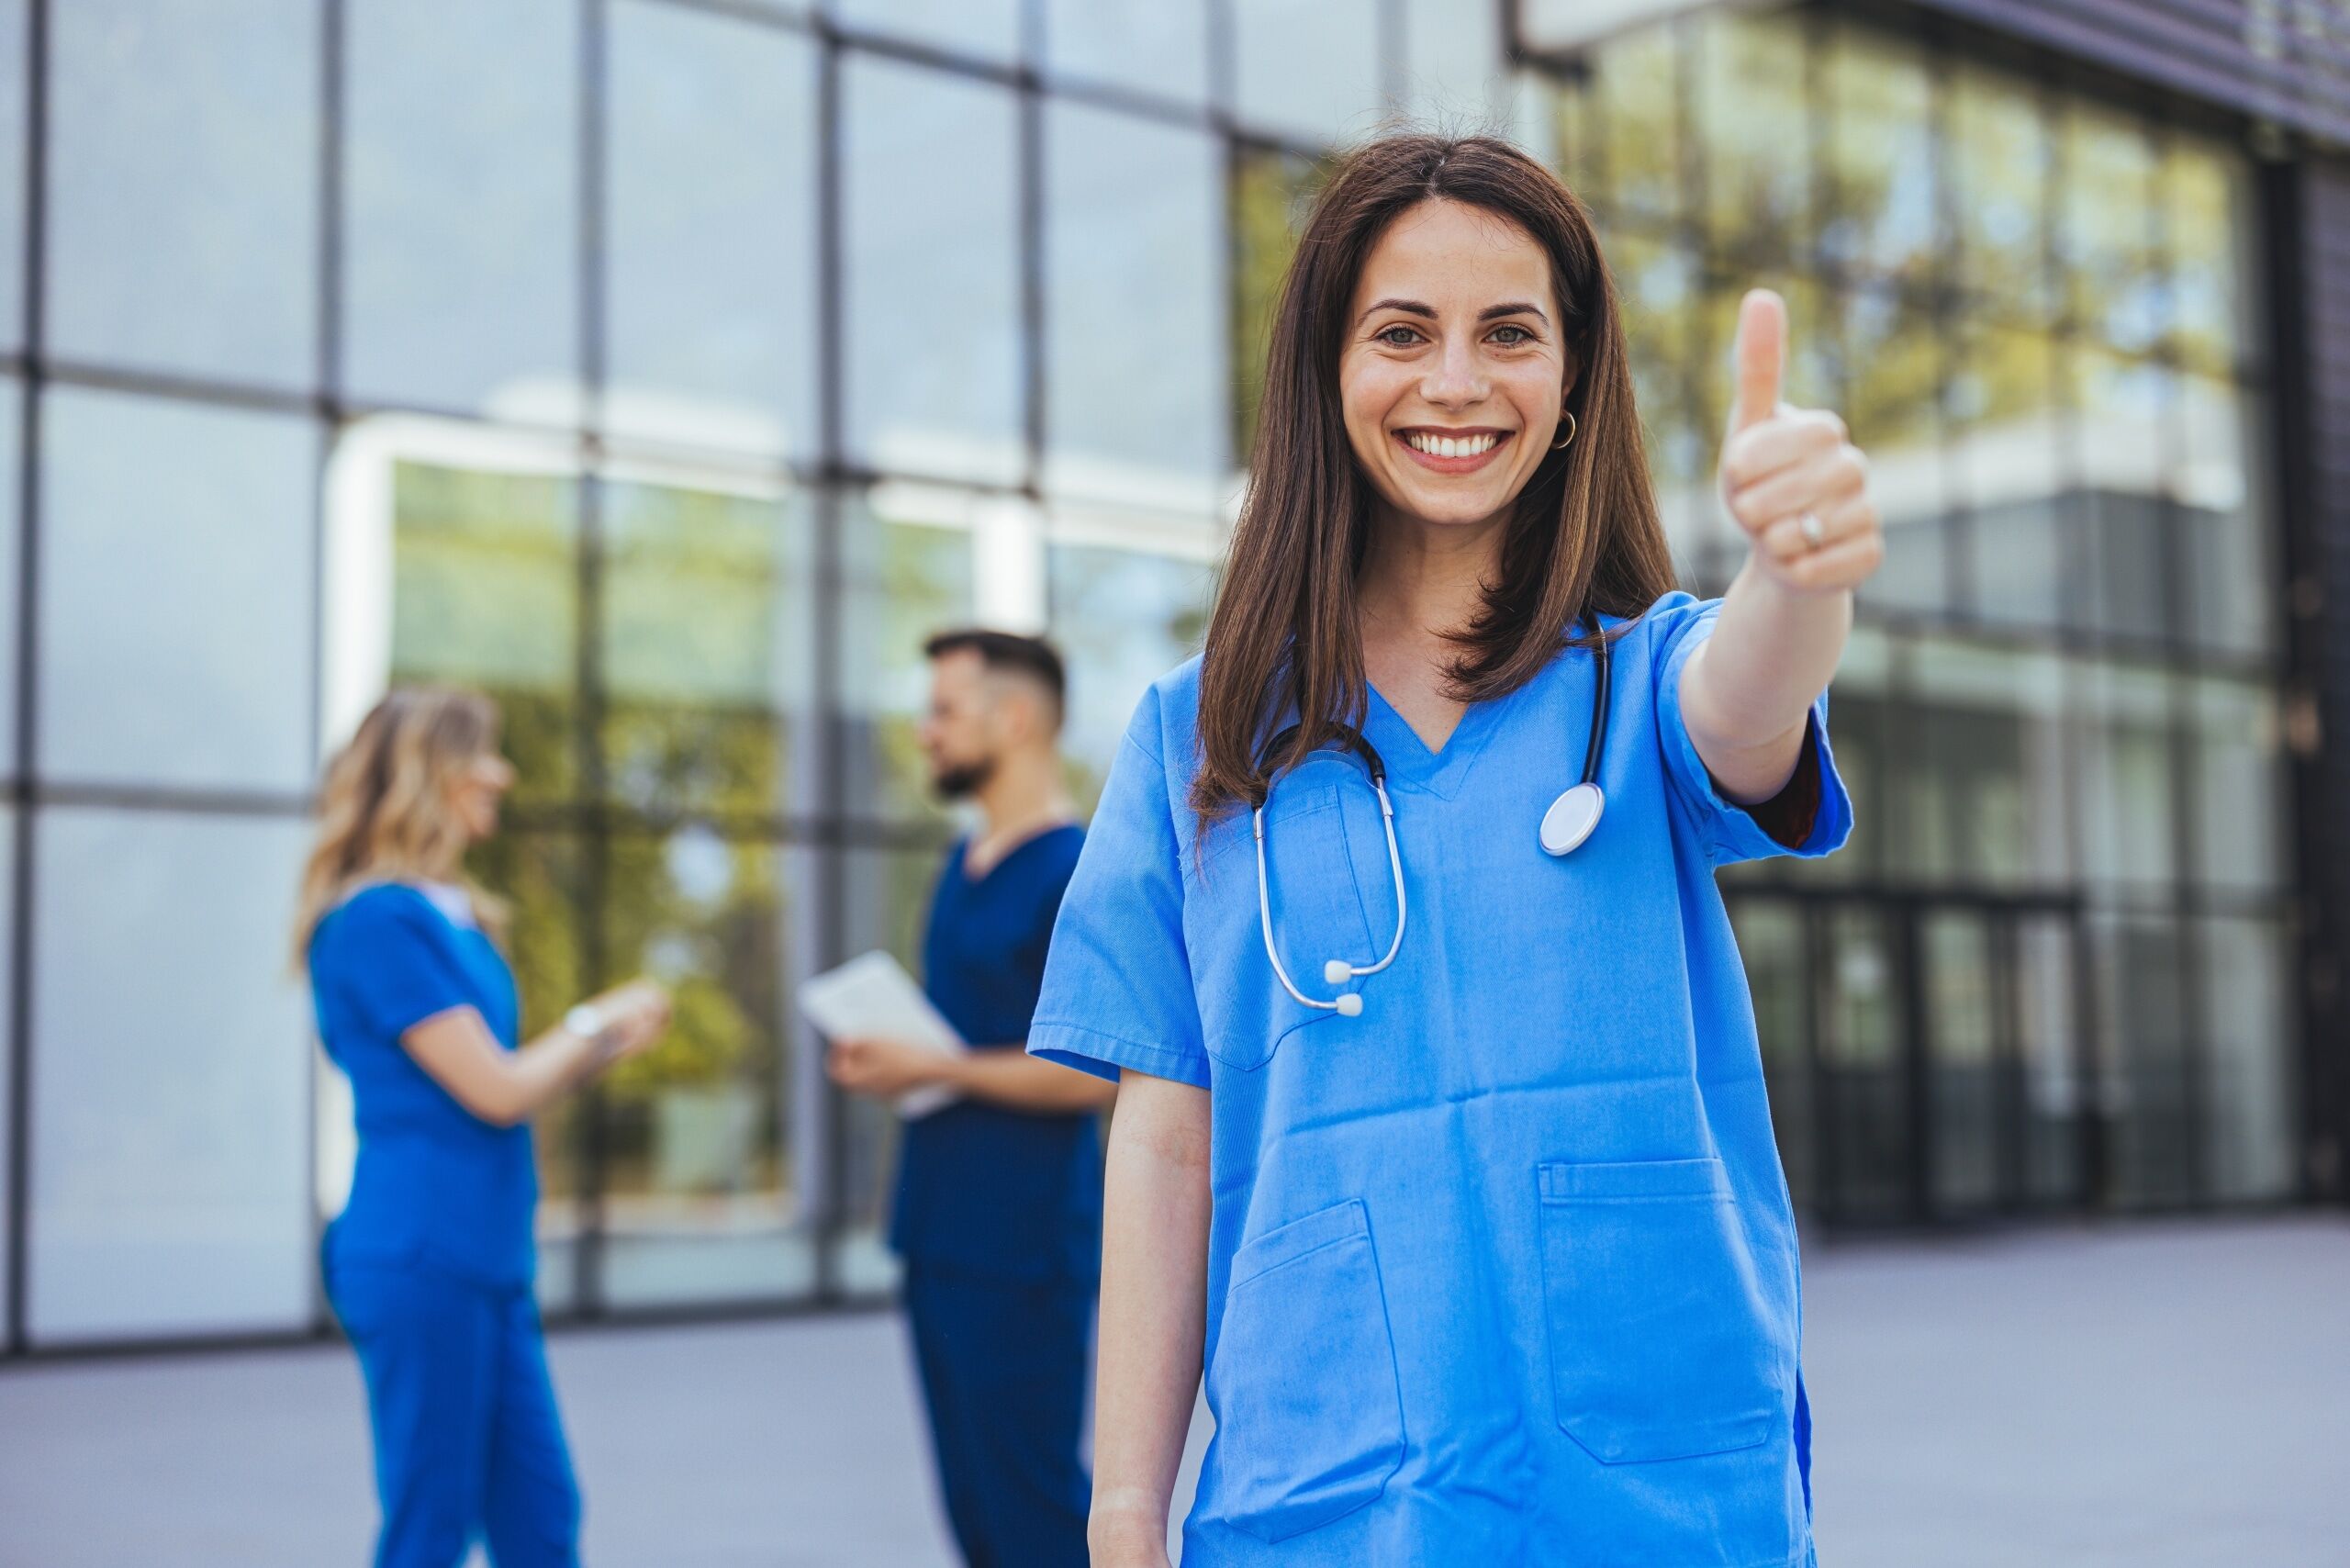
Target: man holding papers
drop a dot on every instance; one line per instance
(998, 1203)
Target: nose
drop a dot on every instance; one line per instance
(1456, 380)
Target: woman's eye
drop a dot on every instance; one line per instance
(1398, 336)
(1522, 337)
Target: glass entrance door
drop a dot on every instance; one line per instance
(1925, 1057)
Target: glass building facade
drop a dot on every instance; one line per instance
(669, 368)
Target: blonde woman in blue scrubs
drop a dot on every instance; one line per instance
(429, 1264)
(1454, 1166)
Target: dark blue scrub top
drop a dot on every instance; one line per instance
(434, 1183)
(1011, 1194)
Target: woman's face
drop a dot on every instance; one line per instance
(475, 791)
(1453, 373)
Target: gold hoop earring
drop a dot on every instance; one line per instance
(1568, 415)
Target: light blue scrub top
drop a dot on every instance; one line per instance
(1502, 1271)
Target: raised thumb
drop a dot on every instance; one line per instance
(1760, 357)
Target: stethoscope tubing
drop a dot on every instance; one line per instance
(1593, 755)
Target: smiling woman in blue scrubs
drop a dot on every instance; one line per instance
(1454, 1167)
(429, 1264)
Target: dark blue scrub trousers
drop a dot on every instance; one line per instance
(467, 1440)
(1002, 1366)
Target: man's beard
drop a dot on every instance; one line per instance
(963, 780)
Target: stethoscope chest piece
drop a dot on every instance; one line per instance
(1571, 817)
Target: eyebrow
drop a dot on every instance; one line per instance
(1491, 312)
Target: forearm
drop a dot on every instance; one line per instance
(1745, 693)
(1010, 1077)
(1154, 1305)
(548, 1068)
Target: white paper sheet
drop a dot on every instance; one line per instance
(871, 996)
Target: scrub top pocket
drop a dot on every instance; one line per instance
(1308, 1411)
(1659, 1346)
(1315, 835)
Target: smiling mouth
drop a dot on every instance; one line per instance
(1460, 453)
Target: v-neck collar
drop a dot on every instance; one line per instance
(1410, 763)
(963, 855)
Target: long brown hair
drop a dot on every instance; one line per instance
(1584, 532)
(382, 812)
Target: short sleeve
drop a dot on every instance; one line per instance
(1117, 979)
(389, 954)
(1678, 627)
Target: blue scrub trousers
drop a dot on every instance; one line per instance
(467, 1440)
(1002, 1366)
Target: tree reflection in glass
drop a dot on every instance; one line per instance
(706, 662)
(1881, 215)
(1270, 194)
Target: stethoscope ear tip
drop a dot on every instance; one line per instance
(1337, 971)
(1351, 1005)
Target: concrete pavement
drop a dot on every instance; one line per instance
(2172, 1396)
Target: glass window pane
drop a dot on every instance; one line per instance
(2220, 491)
(712, 287)
(2048, 1012)
(1122, 618)
(988, 29)
(2118, 486)
(2251, 1121)
(184, 148)
(2214, 225)
(1880, 184)
(14, 31)
(2007, 466)
(1753, 127)
(145, 680)
(1771, 941)
(931, 295)
(2000, 155)
(707, 664)
(1635, 118)
(2239, 785)
(1135, 372)
(699, 1183)
(905, 580)
(2106, 224)
(1978, 777)
(1554, 122)
(485, 593)
(1452, 63)
(1968, 1083)
(461, 205)
(1152, 46)
(12, 432)
(888, 902)
(2122, 411)
(2146, 1092)
(1271, 193)
(1658, 289)
(1892, 375)
(2125, 800)
(169, 1190)
(1307, 69)
(1863, 1072)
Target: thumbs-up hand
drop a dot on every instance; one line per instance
(1789, 477)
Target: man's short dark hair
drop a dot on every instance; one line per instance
(1007, 651)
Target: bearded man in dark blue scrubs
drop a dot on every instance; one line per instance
(999, 1206)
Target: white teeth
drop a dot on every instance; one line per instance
(1449, 446)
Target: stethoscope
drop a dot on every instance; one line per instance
(1569, 821)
